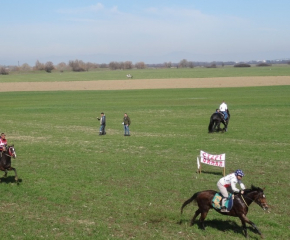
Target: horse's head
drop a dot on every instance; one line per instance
(260, 197)
(11, 151)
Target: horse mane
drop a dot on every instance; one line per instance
(253, 189)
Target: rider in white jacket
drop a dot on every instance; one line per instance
(223, 108)
(229, 183)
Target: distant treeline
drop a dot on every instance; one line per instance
(79, 65)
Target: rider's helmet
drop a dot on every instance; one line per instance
(239, 172)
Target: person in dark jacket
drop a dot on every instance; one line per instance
(102, 123)
(126, 122)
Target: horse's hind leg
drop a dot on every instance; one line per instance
(202, 218)
(197, 212)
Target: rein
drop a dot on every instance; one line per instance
(244, 200)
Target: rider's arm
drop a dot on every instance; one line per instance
(233, 186)
(242, 185)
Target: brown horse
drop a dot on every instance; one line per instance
(240, 206)
(5, 161)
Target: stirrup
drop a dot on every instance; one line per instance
(223, 209)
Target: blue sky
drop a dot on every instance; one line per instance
(149, 31)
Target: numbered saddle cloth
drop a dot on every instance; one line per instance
(216, 201)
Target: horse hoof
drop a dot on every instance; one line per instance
(16, 179)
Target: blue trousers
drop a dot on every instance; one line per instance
(126, 129)
(226, 115)
(102, 129)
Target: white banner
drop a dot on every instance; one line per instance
(213, 160)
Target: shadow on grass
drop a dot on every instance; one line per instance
(10, 179)
(213, 173)
(224, 226)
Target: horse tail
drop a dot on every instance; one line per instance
(211, 123)
(189, 201)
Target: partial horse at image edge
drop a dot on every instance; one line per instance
(240, 207)
(5, 161)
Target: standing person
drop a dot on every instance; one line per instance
(229, 183)
(126, 122)
(102, 123)
(3, 143)
(223, 109)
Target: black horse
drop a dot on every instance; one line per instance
(216, 119)
(240, 206)
(5, 161)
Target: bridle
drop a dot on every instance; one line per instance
(254, 200)
(11, 153)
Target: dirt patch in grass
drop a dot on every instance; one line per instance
(146, 84)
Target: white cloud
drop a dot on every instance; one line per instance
(114, 9)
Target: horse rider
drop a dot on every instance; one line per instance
(223, 108)
(3, 143)
(229, 183)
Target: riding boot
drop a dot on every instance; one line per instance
(223, 208)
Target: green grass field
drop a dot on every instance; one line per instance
(75, 184)
(100, 74)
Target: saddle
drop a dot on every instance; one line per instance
(216, 201)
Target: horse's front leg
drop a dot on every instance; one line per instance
(219, 127)
(14, 169)
(245, 220)
(254, 226)
(5, 175)
(226, 126)
(214, 127)
(245, 228)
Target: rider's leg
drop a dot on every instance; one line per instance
(224, 194)
(225, 115)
